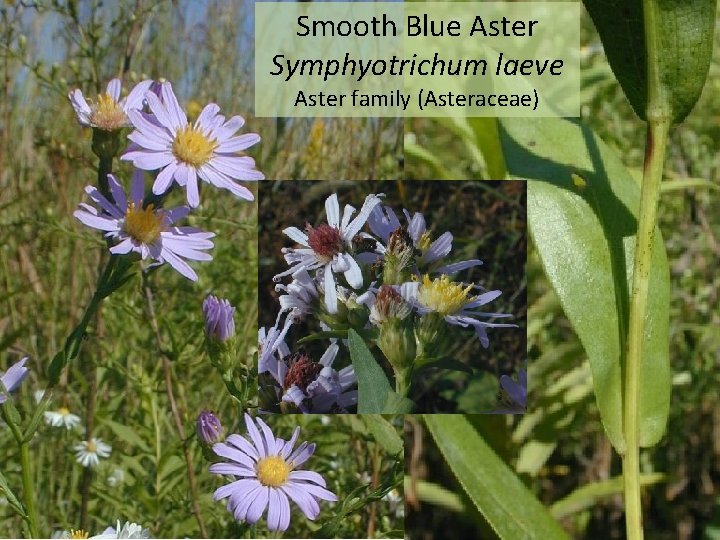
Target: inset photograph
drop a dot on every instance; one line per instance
(392, 297)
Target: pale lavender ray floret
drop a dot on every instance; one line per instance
(219, 318)
(516, 390)
(383, 221)
(271, 342)
(12, 378)
(145, 230)
(183, 152)
(267, 476)
(108, 111)
(512, 399)
(330, 247)
(300, 296)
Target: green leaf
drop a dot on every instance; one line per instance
(589, 495)
(384, 433)
(373, 386)
(12, 500)
(397, 404)
(684, 30)
(582, 208)
(435, 494)
(507, 505)
(488, 140)
(686, 183)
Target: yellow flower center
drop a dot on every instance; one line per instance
(191, 146)
(107, 114)
(272, 471)
(424, 243)
(63, 411)
(143, 224)
(77, 534)
(91, 447)
(442, 295)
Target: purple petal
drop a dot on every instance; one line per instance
(113, 89)
(273, 516)
(309, 476)
(232, 469)
(15, 375)
(135, 98)
(255, 435)
(223, 450)
(239, 143)
(164, 179)
(177, 115)
(193, 194)
(268, 434)
(178, 264)
(240, 502)
(257, 507)
(302, 454)
(239, 487)
(307, 504)
(243, 444)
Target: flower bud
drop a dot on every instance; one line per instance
(431, 334)
(391, 313)
(399, 257)
(209, 428)
(219, 322)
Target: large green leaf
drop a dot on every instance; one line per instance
(684, 29)
(507, 505)
(582, 208)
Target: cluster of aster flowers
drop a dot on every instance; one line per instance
(391, 281)
(174, 151)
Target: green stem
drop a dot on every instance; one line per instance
(658, 116)
(403, 378)
(28, 495)
(654, 160)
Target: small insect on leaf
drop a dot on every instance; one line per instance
(578, 181)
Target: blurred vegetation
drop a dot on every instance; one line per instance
(49, 261)
(487, 220)
(559, 447)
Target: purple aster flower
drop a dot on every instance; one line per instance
(330, 247)
(144, 229)
(267, 475)
(183, 152)
(12, 378)
(455, 303)
(313, 387)
(219, 322)
(108, 112)
(383, 223)
(209, 428)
